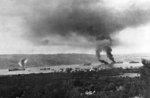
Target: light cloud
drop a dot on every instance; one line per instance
(25, 25)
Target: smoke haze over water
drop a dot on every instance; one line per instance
(72, 23)
(69, 19)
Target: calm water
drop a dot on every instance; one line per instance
(59, 68)
(126, 59)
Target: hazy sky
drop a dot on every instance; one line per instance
(63, 26)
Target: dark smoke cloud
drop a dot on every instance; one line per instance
(66, 20)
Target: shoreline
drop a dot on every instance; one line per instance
(62, 68)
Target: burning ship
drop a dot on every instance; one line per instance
(21, 64)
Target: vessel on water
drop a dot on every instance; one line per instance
(21, 64)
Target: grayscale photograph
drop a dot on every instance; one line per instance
(74, 48)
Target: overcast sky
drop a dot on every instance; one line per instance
(70, 26)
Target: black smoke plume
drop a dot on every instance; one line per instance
(69, 19)
(103, 44)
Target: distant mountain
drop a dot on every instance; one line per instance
(8, 61)
(36, 60)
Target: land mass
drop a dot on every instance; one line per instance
(39, 60)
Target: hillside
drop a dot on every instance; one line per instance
(79, 84)
(35, 60)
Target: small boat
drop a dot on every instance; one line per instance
(21, 64)
(16, 69)
(45, 68)
(134, 62)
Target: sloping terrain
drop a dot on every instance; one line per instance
(7, 61)
(36, 60)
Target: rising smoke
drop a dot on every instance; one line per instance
(103, 44)
(67, 19)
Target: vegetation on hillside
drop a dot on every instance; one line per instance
(79, 84)
(35, 60)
